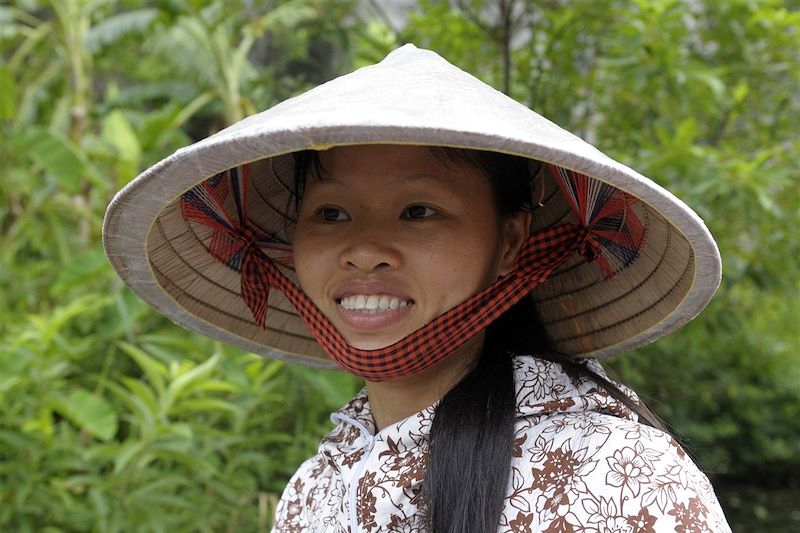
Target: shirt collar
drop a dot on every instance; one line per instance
(542, 388)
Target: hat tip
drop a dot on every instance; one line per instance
(407, 50)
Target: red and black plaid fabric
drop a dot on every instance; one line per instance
(609, 233)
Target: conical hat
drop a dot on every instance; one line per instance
(416, 97)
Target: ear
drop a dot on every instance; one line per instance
(515, 229)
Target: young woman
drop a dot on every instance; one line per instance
(468, 259)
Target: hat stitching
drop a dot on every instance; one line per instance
(198, 238)
(278, 211)
(639, 313)
(232, 316)
(563, 295)
(621, 296)
(181, 290)
(278, 178)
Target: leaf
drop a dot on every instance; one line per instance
(155, 371)
(186, 380)
(517, 479)
(740, 92)
(46, 327)
(59, 157)
(15, 441)
(7, 15)
(111, 29)
(520, 503)
(686, 132)
(158, 124)
(334, 387)
(8, 94)
(713, 82)
(127, 451)
(81, 271)
(117, 132)
(286, 15)
(199, 405)
(145, 416)
(215, 385)
(590, 506)
(144, 394)
(99, 502)
(90, 412)
(7, 382)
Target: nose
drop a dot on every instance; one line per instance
(370, 251)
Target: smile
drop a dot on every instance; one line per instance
(373, 303)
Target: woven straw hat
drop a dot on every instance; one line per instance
(413, 96)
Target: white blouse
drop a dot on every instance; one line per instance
(581, 462)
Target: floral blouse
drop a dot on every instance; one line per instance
(581, 463)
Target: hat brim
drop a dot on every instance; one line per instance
(412, 97)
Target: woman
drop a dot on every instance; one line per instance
(468, 284)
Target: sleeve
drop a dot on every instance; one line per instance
(594, 472)
(291, 513)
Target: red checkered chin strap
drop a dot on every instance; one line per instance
(609, 233)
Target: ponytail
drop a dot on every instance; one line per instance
(470, 455)
(471, 439)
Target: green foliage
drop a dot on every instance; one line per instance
(137, 438)
(112, 419)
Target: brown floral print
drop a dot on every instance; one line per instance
(581, 462)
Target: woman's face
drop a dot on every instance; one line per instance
(391, 238)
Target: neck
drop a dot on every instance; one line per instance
(397, 399)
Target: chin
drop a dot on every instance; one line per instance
(372, 344)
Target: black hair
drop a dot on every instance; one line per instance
(472, 433)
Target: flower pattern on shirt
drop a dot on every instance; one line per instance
(581, 462)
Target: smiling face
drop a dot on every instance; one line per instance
(391, 238)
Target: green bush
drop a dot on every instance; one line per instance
(136, 439)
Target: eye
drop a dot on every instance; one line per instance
(331, 214)
(419, 211)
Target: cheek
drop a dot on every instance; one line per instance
(307, 261)
(464, 266)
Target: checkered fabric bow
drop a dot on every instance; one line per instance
(236, 242)
(608, 232)
(611, 234)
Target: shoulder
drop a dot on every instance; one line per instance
(302, 494)
(597, 471)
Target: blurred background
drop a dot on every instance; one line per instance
(113, 419)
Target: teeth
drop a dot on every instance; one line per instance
(373, 303)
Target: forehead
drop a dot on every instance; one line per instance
(378, 166)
